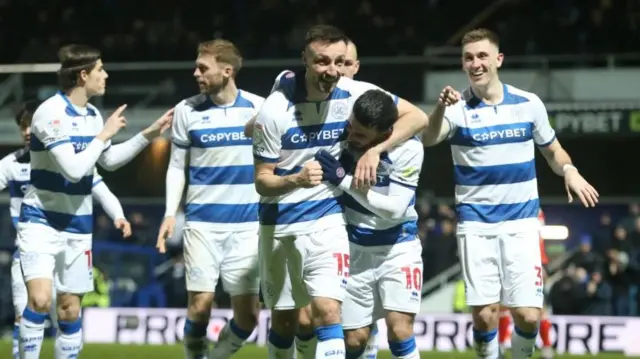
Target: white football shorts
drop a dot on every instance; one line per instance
(231, 256)
(503, 268)
(48, 253)
(294, 269)
(382, 279)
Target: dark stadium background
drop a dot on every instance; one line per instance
(398, 42)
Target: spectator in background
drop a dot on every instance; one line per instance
(602, 236)
(142, 232)
(620, 279)
(586, 258)
(568, 293)
(598, 295)
(629, 222)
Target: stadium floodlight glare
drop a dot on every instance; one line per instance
(554, 233)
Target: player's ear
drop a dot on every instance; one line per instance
(500, 59)
(357, 66)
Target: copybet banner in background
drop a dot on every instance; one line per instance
(452, 332)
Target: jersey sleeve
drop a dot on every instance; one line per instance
(48, 128)
(407, 167)
(97, 179)
(179, 128)
(452, 116)
(267, 135)
(5, 171)
(543, 133)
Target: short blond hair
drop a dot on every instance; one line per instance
(224, 51)
(476, 35)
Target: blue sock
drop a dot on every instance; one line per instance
(278, 341)
(237, 331)
(403, 348)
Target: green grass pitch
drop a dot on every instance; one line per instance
(119, 351)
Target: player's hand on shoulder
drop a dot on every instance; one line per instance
(448, 96)
(310, 175)
(160, 125)
(114, 124)
(332, 170)
(574, 183)
(124, 226)
(366, 169)
(166, 231)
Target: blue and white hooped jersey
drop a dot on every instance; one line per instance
(289, 130)
(51, 199)
(221, 192)
(399, 167)
(494, 161)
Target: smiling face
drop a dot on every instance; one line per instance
(324, 61)
(481, 61)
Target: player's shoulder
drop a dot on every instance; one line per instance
(248, 99)
(53, 106)
(286, 80)
(192, 104)
(517, 96)
(355, 87)
(12, 157)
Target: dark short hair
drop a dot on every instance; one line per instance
(480, 34)
(376, 109)
(27, 108)
(73, 60)
(327, 33)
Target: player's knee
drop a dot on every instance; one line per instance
(284, 323)
(40, 300)
(355, 340)
(526, 318)
(325, 311)
(200, 305)
(245, 311)
(399, 326)
(305, 322)
(486, 317)
(69, 306)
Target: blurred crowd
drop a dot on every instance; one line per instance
(145, 30)
(603, 276)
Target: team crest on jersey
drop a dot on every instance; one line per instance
(339, 110)
(340, 172)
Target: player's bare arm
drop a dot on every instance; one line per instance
(438, 129)
(411, 121)
(560, 162)
(248, 128)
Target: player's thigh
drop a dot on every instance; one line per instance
(521, 270)
(326, 262)
(480, 262)
(18, 287)
(275, 284)
(39, 246)
(239, 270)
(74, 269)
(202, 258)
(400, 278)
(358, 308)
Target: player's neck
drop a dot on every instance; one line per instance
(78, 97)
(491, 94)
(226, 96)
